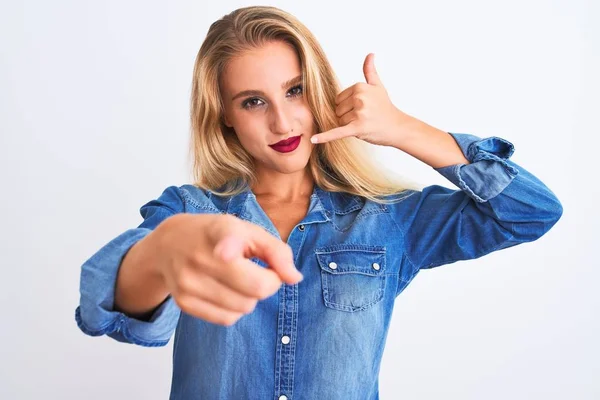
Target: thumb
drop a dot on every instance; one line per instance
(370, 72)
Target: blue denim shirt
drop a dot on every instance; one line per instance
(323, 338)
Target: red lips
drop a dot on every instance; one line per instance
(288, 145)
(286, 141)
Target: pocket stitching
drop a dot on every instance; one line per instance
(374, 252)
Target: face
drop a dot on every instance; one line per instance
(265, 103)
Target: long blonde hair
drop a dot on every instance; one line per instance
(220, 162)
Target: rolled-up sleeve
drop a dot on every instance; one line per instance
(500, 204)
(489, 171)
(95, 314)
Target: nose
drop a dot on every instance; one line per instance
(281, 123)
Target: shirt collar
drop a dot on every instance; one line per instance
(323, 205)
(245, 206)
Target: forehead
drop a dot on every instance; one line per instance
(263, 68)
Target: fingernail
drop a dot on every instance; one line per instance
(314, 139)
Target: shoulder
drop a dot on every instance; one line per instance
(182, 198)
(346, 203)
(404, 206)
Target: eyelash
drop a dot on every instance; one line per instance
(246, 104)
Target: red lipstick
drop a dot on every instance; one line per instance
(285, 146)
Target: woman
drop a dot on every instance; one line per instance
(278, 268)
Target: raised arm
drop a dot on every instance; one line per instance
(499, 204)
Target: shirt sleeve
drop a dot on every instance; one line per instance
(499, 204)
(95, 315)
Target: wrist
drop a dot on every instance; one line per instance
(151, 254)
(408, 130)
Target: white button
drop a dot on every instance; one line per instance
(285, 339)
(283, 397)
(376, 266)
(332, 265)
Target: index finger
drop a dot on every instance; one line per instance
(277, 254)
(258, 242)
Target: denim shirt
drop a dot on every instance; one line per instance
(323, 338)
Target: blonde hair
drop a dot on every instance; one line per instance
(219, 159)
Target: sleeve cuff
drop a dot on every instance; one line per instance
(153, 333)
(488, 172)
(96, 316)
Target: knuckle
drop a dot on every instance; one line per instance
(249, 306)
(271, 288)
(182, 280)
(259, 289)
(229, 319)
(262, 290)
(197, 259)
(183, 302)
(271, 250)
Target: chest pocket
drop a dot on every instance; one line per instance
(352, 276)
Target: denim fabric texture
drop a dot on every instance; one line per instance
(324, 337)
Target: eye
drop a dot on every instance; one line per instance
(250, 103)
(255, 102)
(297, 92)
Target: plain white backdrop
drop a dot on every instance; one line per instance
(94, 105)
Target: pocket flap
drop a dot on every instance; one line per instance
(361, 259)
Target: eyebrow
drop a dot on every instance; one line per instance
(288, 83)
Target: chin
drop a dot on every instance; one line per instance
(290, 169)
(293, 164)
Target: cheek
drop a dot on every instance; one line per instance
(245, 123)
(250, 132)
(305, 116)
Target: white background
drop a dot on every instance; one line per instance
(94, 104)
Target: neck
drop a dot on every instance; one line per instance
(293, 187)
